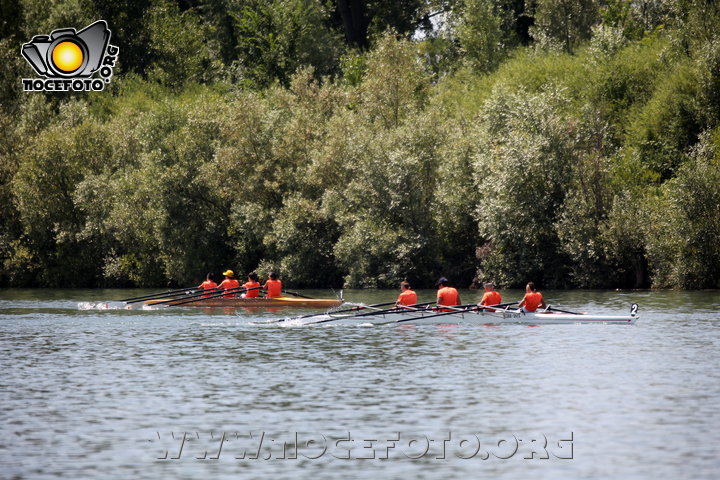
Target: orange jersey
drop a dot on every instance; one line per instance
(491, 298)
(252, 293)
(274, 288)
(448, 296)
(228, 284)
(408, 297)
(208, 285)
(532, 301)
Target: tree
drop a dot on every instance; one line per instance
(394, 84)
(683, 225)
(521, 171)
(564, 23)
(274, 39)
(481, 36)
(178, 41)
(362, 19)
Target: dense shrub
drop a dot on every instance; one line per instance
(268, 135)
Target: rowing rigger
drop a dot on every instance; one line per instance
(461, 314)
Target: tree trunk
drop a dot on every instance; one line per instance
(641, 271)
(352, 13)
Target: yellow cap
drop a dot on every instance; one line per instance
(229, 273)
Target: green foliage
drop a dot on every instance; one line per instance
(564, 23)
(587, 204)
(244, 134)
(44, 188)
(623, 236)
(668, 124)
(387, 230)
(522, 175)
(302, 238)
(179, 45)
(274, 39)
(41, 18)
(708, 65)
(394, 85)
(481, 35)
(633, 19)
(684, 230)
(627, 79)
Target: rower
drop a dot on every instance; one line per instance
(273, 286)
(491, 297)
(229, 283)
(208, 284)
(252, 283)
(407, 296)
(447, 295)
(532, 299)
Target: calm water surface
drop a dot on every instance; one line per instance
(122, 394)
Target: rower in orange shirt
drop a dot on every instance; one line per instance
(407, 296)
(532, 299)
(252, 283)
(447, 295)
(208, 284)
(491, 297)
(229, 283)
(273, 286)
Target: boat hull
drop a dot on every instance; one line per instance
(237, 302)
(430, 317)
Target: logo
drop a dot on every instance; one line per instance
(67, 59)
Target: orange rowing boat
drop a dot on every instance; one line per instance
(253, 302)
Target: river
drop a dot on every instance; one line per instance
(201, 393)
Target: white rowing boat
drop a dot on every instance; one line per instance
(464, 316)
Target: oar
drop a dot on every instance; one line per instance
(181, 294)
(398, 308)
(196, 293)
(156, 294)
(222, 291)
(480, 307)
(467, 308)
(423, 317)
(296, 294)
(553, 309)
(379, 312)
(455, 309)
(353, 309)
(233, 291)
(129, 301)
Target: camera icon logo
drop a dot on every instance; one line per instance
(67, 54)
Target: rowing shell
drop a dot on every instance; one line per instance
(430, 317)
(235, 302)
